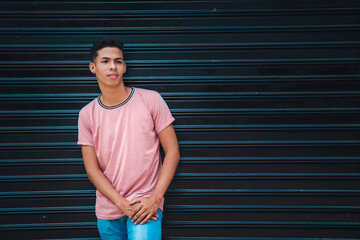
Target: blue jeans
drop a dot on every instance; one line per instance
(124, 229)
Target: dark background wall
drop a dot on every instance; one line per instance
(265, 96)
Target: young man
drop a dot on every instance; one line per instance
(119, 134)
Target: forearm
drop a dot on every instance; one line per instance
(149, 205)
(167, 173)
(97, 177)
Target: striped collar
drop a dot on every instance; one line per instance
(118, 105)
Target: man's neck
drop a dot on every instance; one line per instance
(115, 96)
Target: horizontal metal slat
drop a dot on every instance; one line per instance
(222, 238)
(43, 226)
(195, 144)
(235, 192)
(186, 62)
(307, 159)
(45, 194)
(128, 47)
(192, 176)
(185, 95)
(191, 192)
(177, 29)
(243, 238)
(185, 208)
(192, 111)
(184, 79)
(194, 160)
(46, 210)
(175, 12)
(285, 176)
(174, 5)
(180, 224)
(275, 208)
(230, 224)
(197, 128)
(165, 238)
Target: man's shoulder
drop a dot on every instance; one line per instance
(147, 93)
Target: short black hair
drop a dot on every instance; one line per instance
(102, 43)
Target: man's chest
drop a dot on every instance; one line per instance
(131, 122)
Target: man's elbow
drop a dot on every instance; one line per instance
(173, 154)
(93, 174)
(177, 155)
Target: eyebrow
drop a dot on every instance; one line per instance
(109, 58)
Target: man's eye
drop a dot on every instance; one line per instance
(105, 61)
(119, 61)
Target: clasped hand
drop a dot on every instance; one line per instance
(142, 210)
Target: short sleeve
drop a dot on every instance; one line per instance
(161, 113)
(84, 131)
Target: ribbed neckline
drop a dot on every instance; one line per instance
(118, 105)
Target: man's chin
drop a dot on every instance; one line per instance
(110, 84)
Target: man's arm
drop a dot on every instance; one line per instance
(149, 205)
(97, 177)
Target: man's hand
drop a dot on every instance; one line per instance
(131, 208)
(148, 207)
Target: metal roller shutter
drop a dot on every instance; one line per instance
(265, 96)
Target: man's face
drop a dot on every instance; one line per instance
(109, 67)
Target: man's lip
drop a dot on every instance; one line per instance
(113, 76)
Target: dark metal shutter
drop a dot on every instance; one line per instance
(265, 96)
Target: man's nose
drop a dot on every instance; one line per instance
(112, 65)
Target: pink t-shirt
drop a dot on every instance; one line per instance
(125, 138)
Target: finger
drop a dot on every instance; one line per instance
(147, 219)
(137, 215)
(150, 217)
(136, 200)
(135, 211)
(142, 217)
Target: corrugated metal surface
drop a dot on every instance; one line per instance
(265, 96)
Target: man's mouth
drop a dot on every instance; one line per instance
(113, 76)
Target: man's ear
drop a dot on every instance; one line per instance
(92, 67)
(125, 67)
